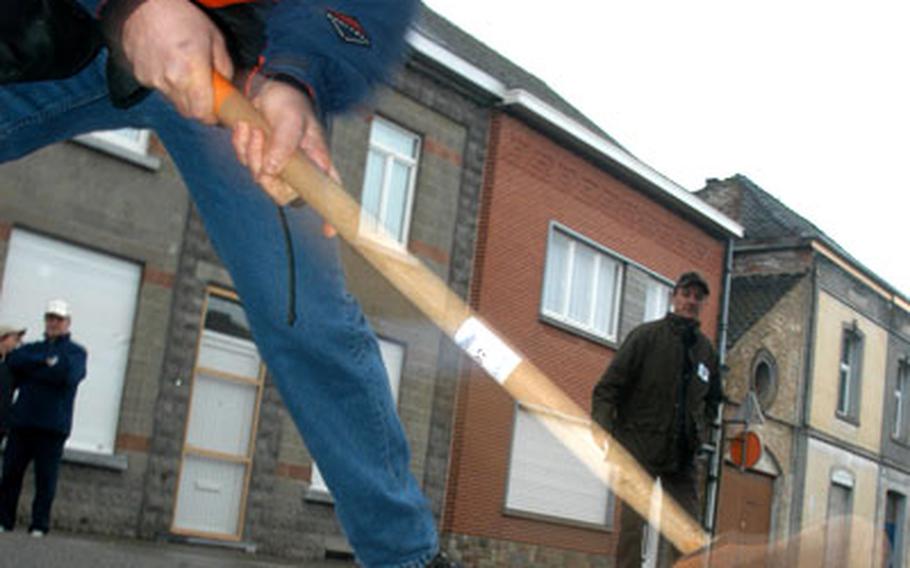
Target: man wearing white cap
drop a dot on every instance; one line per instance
(46, 374)
(10, 337)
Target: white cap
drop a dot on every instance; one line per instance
(58, 308)
(11, 330)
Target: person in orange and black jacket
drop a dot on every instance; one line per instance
(658, 398)
(73, 66)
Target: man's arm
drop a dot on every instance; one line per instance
(59, 367)
(610, 390)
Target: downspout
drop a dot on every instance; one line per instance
(717, 438)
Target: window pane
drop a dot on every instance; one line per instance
(606, 299)
(547, 479)
(372, 183)
(581, 294)
(227, 317)
(393, 139)
(557, 273)
(657, 300)
(397, 200)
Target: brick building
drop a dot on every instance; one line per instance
(822, 342)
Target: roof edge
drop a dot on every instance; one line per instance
(542, 110)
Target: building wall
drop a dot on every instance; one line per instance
(832, 316)
(94, 200)
(782, 333)
(896, 450)
(823, 461)
(530, 182)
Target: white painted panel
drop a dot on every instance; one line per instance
(102, 291)
(546, 478)
(221, 417)
(228, 354)
(209, 496)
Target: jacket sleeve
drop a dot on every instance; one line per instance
(715, 394)
(611, 389)
(337, 50)
(33, 364)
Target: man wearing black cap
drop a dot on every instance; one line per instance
(657, 398)
(10, 337)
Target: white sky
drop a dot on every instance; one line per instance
(809, 99)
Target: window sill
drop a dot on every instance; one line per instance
(319, 496)
(567, 327)
(140, 159)
(557, 520)
(853, 421)
(113, 462)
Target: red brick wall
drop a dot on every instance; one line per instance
(529, 182)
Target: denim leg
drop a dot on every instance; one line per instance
(314, 338)
(320, 351)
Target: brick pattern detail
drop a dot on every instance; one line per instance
(294, 471)
(158, 277)
(438, 149)
(531, 181)
(481, 552)
(428, 251)
(127, 442)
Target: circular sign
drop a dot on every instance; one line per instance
(745, 449)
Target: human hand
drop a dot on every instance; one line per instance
(172, 46)
(599, 435)
(293, 124)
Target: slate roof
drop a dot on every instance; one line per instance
(459, 42)
(753, 296)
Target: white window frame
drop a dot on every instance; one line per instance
(130, 144)
(562, 316)
(373, 227)
(657, 312)
(900, 398)
(107, 337)
(849, 369)
(516, 502)
(393, 356)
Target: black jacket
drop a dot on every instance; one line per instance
(47, 374)
(6, 395)
(660, 393)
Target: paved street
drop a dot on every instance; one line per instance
(66, 550)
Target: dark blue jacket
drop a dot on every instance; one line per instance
(47, 374)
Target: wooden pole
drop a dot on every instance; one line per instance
(518, 376)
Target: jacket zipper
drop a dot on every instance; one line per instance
(292, 275)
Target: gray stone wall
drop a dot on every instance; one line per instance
(479, 552)
(91, 199)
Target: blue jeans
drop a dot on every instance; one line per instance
(312, 335)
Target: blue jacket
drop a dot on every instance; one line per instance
(47, 374)
(337, 50)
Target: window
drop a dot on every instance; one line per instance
(219, 444)
(393, 358)
(128, 143)
(546, 479)
(764, 378)
(848, 390)
(388, 183)
(898, 432)
(581, 286)
(102, 292)
(840, 505)
(657, 299)
(895, 510)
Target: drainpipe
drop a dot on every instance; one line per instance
(717, 439)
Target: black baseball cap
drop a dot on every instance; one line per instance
(692, 279)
